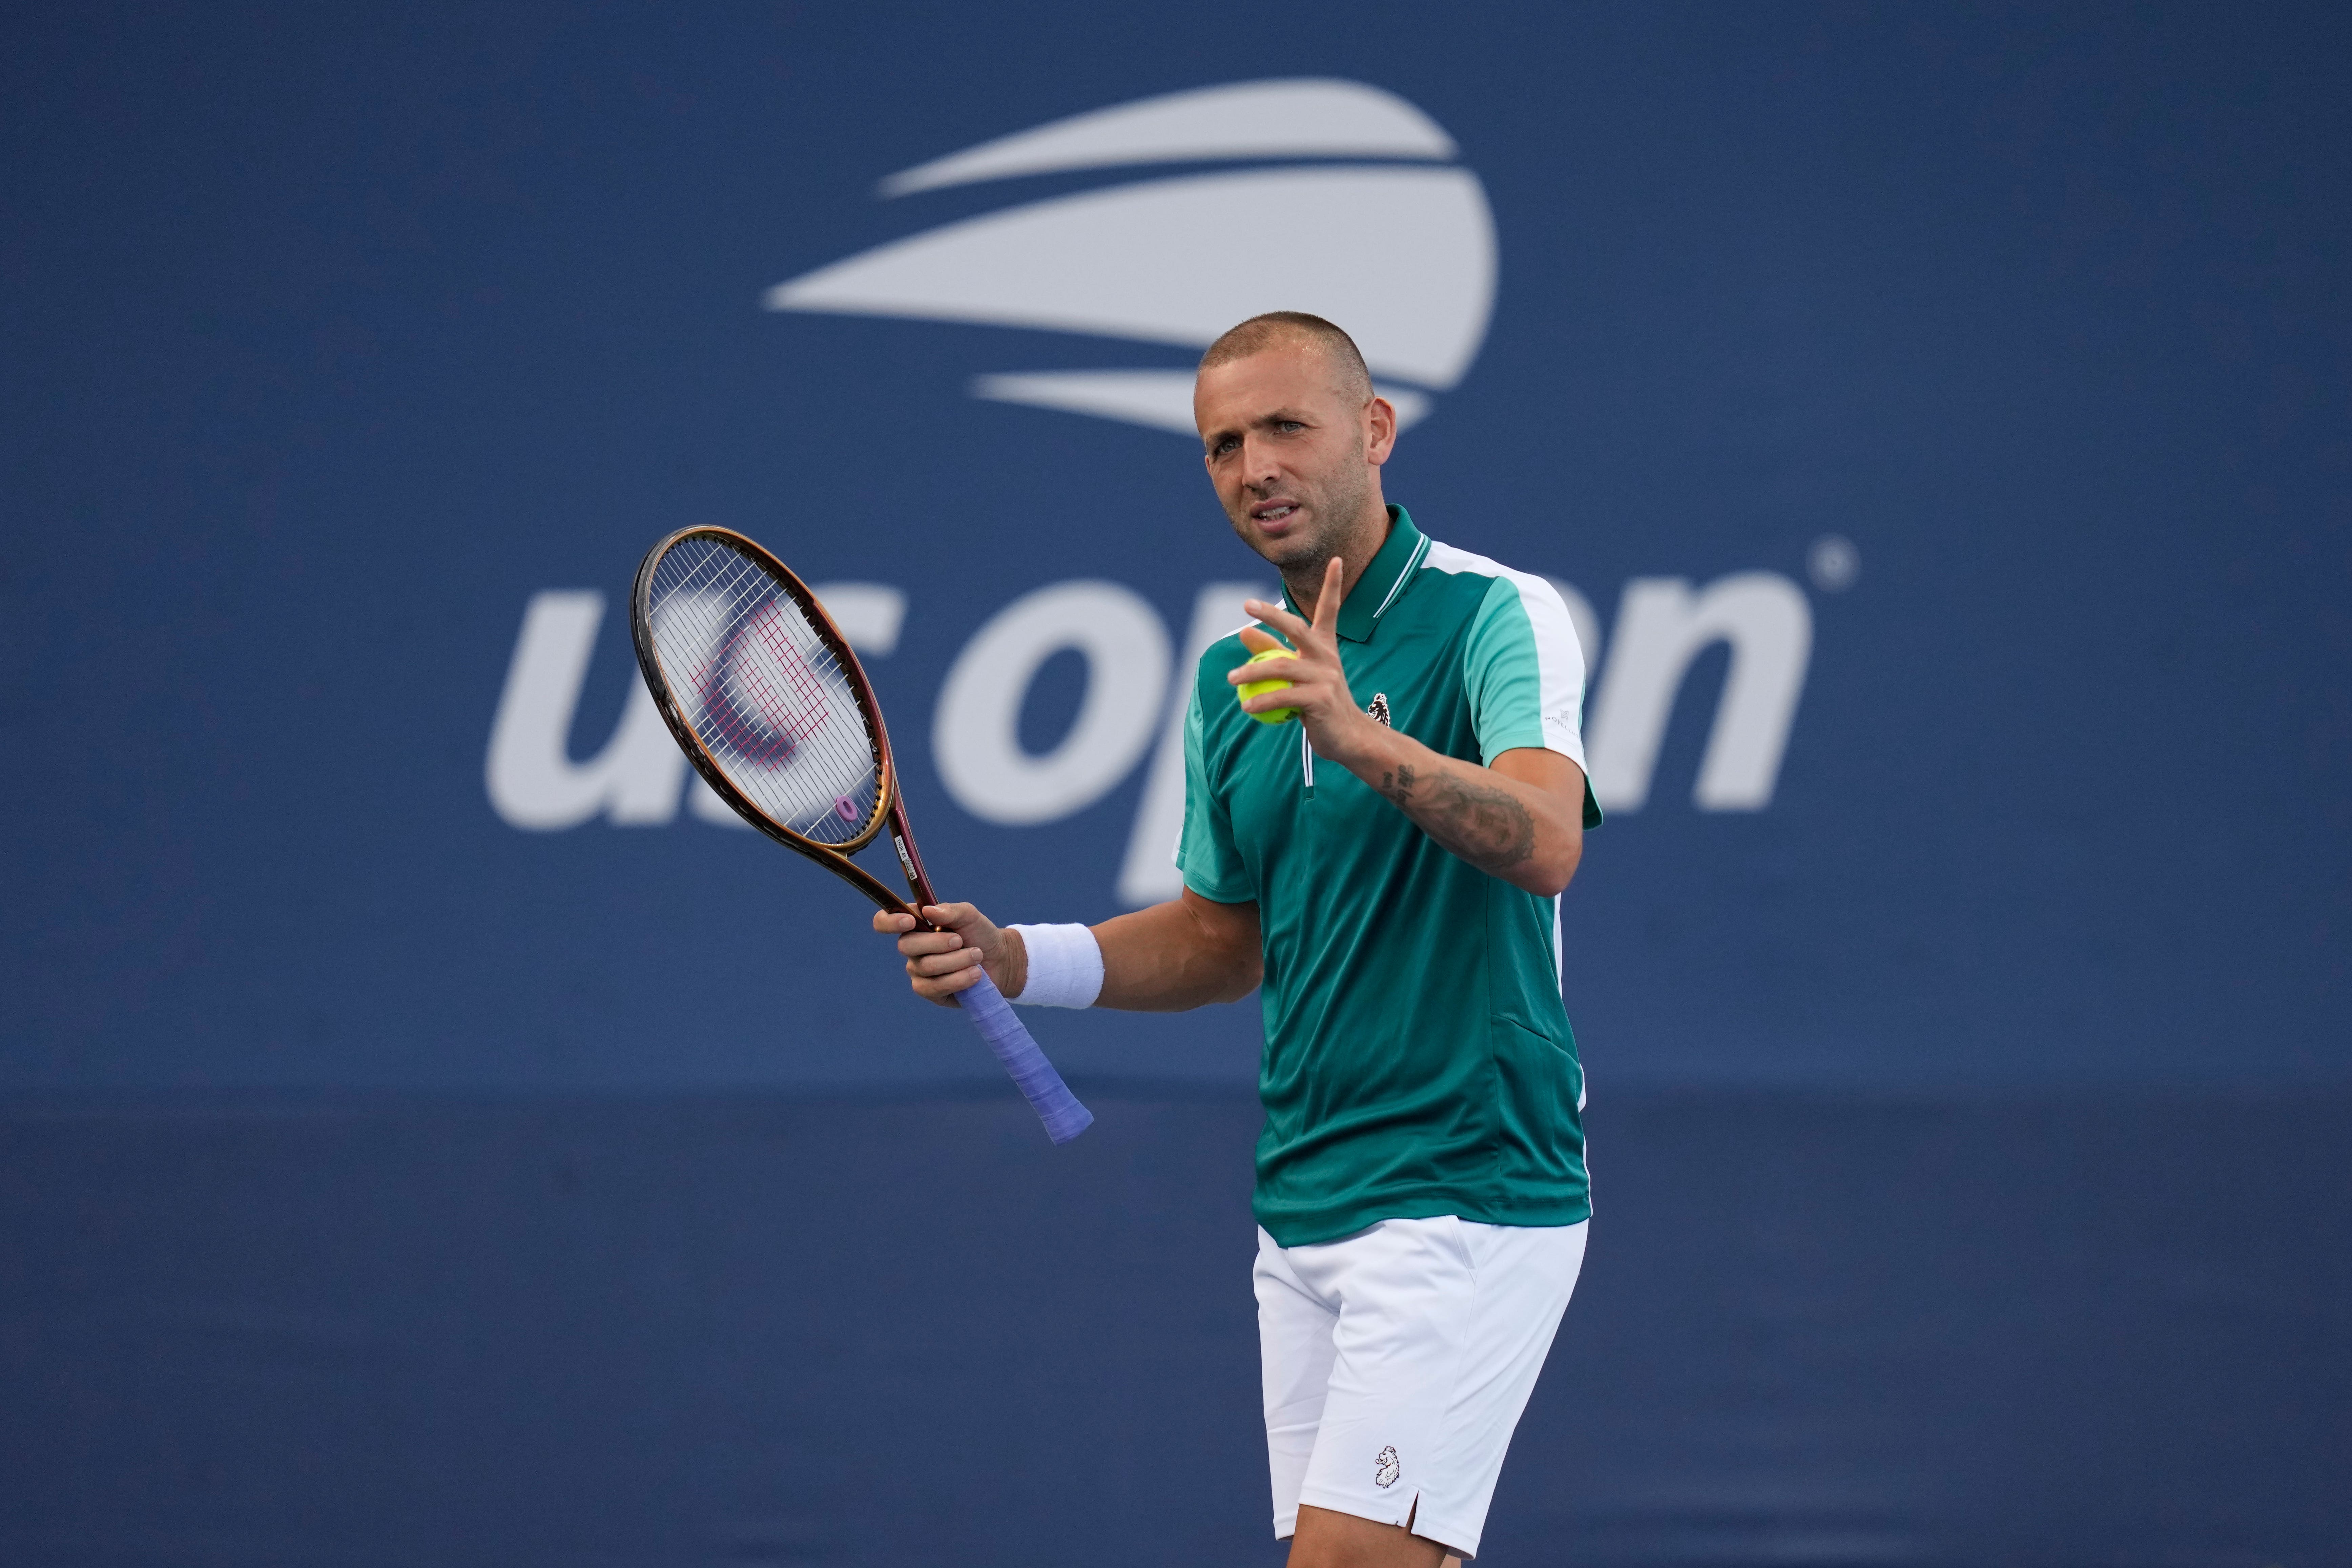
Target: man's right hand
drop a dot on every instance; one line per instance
(943, 963)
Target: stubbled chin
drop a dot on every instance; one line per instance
(1293, 545)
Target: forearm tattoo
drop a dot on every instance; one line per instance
(1485, 826)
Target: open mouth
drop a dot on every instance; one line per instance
(1273, 511)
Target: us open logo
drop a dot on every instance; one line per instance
(1145, 259)
(1153, 260)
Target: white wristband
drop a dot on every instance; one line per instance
(1066, 967)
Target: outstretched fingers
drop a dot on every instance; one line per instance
(1274, 616)
(1326, 624)
(1327, 604)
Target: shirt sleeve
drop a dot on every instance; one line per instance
(1205, 853)
(1525, 671)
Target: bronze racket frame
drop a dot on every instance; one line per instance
(890, 807)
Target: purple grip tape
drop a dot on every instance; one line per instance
(1008, 1036)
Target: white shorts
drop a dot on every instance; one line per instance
(1397, 1362)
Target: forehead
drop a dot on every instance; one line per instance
(1294, 373)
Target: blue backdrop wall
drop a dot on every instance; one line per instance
(1939, 414)
(334, 341)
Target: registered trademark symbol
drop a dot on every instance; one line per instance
(1834, 564)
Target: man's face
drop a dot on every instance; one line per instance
(1293, 456)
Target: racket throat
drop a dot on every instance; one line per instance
(910, 861)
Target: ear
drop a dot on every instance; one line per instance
(1380, 430)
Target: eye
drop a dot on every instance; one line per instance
(1289, 424)
(1222, 447)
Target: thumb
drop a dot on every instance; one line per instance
(964, 919)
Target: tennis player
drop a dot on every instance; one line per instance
(1387, 870)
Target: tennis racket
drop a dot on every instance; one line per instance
(770, 705)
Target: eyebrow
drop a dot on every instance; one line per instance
(1277, 417)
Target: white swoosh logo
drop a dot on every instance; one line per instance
(1300, 118)
(1401, 257)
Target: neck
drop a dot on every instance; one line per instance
(1304, 582)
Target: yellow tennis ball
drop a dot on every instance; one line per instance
(1253, 688)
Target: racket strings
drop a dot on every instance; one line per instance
(763, 691)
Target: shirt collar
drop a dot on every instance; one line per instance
(1383, 582)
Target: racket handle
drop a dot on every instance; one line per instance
(1008, 1036)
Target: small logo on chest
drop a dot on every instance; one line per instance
(1379, 708)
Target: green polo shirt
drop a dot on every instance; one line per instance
(1418, 1059)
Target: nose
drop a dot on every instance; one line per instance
(1258, 466)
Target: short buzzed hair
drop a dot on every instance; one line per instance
(1260, 333)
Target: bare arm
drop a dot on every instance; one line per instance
(1185, 953)
(1522, 819)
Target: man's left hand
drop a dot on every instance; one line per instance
(1318, 683)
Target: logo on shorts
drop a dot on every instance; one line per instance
(1388, 1469)
(1379, 710)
